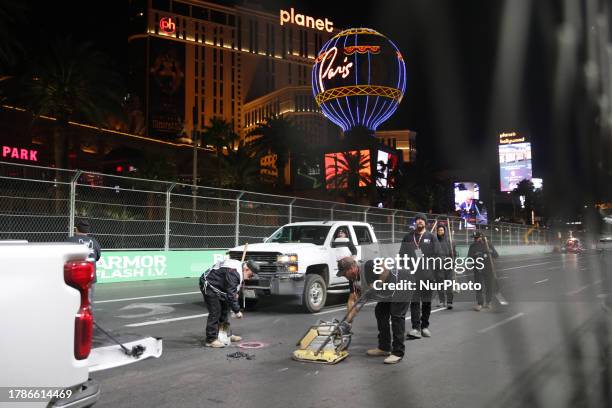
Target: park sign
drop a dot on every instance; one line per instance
(19, 153)
(131, 266)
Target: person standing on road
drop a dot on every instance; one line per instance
(81, 236)
(484, 276)
(390, 316)
(447, 251)
(220, 286)
(421, 243)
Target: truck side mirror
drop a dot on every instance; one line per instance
(340, 242)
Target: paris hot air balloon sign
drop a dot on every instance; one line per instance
(359, 79)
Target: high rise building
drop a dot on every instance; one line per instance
(195, 60)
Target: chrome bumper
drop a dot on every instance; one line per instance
(277, 284)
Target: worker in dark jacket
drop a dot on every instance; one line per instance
(421, 243)
(447, 251)
(220, 287)
(485, 276)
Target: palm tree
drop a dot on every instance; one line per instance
(221, 136)
(525, 189)
(11, 16)
(241, 167)
(278, 136)
(350, 170)
(70, 81)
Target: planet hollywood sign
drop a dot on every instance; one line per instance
(167, 25)
(305, 21)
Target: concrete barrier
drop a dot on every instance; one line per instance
(130, 266)
(507, 250)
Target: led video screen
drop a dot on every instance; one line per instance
(467, 203)
(344, 168)
(514, 164)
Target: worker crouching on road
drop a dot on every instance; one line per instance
(220, 287)
(349, 268)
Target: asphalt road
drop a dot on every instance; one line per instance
(549, 348)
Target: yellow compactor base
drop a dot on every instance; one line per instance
(324, 357)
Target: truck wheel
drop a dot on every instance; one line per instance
(250, 304)
(315, 293)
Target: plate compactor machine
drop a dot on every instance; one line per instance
(327, 342)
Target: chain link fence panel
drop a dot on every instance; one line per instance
(42, 204)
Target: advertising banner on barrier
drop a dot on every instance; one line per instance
(132, 266)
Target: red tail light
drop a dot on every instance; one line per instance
(80, 275)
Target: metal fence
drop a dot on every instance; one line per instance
(42, 204)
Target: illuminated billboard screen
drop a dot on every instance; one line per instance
(514, 164)
(386, 163)
(468, 205)
(347, 168)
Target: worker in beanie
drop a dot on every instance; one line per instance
(484, 251)
(420, 243)
(220, 287)
(447, 251)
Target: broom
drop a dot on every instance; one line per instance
(246, 245)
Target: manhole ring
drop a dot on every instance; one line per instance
(252, 345)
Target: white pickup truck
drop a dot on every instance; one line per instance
(300, 260)
(46, 328)
(46, 324)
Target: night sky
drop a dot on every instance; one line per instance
(452, 55)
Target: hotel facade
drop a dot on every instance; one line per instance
(195, 60)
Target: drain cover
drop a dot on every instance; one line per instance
(251, 345)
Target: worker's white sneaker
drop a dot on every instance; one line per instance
(215, 344)
(234, 338)
(414, 334)
(477, 308)
(426, 333)
(377, 353)
(392, 359)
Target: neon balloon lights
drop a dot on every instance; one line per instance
(359, 79)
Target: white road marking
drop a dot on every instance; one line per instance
(154, 309)
(433, 311)
(146, 297)
(580, 289)
(161, 321)
(542, 281)
(575, 292)
(516, 316)
(525, 266)
(337, 309)
(152, 322)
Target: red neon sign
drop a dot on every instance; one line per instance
(11, 152)
(167, 25)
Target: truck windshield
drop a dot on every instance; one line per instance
(311, 234)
